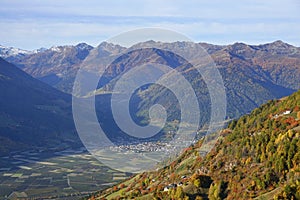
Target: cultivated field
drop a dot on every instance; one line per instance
(66, 174)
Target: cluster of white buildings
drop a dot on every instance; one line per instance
(287, 112)
(141, 147)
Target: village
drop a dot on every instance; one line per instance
(142, 147)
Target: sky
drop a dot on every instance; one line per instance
(45, 23)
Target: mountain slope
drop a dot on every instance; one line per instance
(32, 112)
(278, 60)
(56, 66)
(256, 156)
(247, 84)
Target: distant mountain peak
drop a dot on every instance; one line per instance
(279, 47)
(109, 45)
(55, 48)
(42, 49)
(279, 43)
(83, 46)
(106, 48)
(239, 44)
(6, 52)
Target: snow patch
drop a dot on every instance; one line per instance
(6, 52)
(55, 48)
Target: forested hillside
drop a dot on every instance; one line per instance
(256, 156)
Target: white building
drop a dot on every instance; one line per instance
(286, 112)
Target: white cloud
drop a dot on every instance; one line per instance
(32, 24)
(191, 8)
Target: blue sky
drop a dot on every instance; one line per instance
(45, 23)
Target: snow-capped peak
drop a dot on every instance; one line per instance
(11, 51)
(83, 46)
(39, 50)
(55, 48)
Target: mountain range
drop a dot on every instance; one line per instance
(61, 60)
(252, 75)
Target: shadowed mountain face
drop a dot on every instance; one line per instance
(32, 112)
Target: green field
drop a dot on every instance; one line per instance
(61, 176)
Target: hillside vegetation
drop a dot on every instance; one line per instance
(256, 156)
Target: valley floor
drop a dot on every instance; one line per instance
(68, 174)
